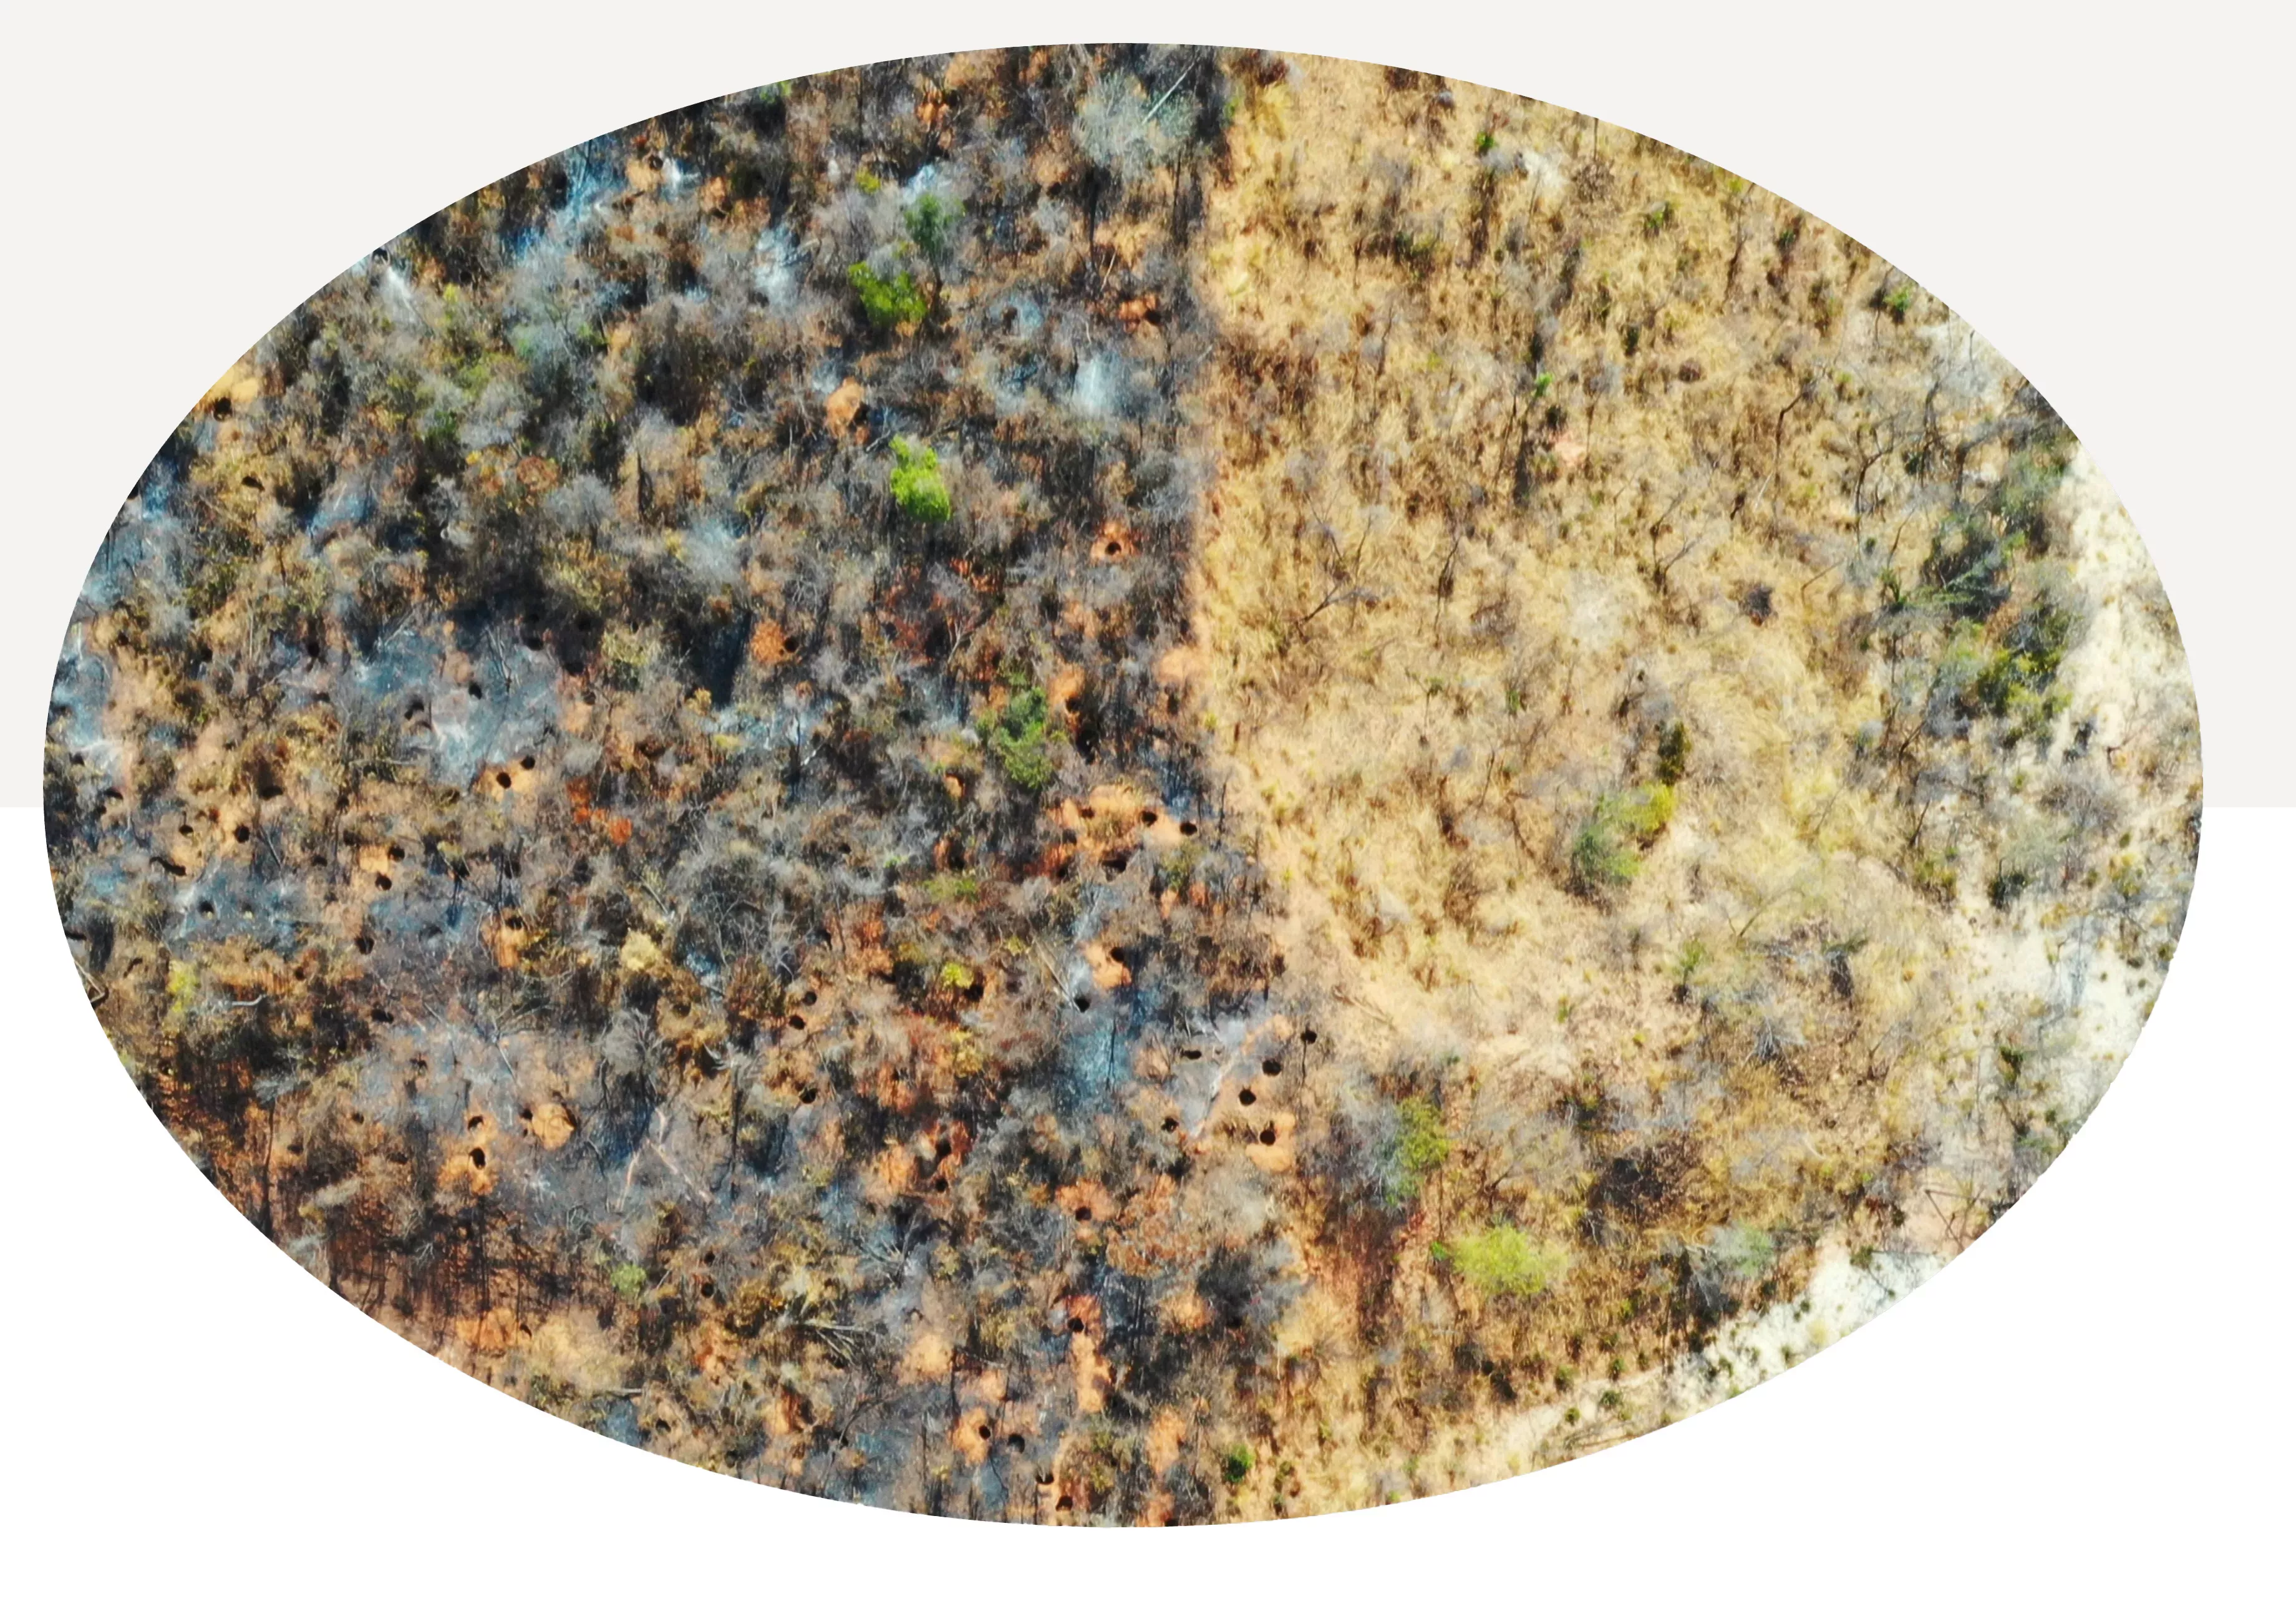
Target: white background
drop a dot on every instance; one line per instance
(2090, 1406)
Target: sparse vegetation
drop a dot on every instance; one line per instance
(1250, 790)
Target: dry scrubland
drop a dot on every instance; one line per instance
(1121, 785)
(1683, 686)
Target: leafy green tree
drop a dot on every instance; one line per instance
(931, 224)
(917, 485)
(1019, 740)
(889, 302)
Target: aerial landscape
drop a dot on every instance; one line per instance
(1123, 785)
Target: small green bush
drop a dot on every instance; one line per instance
(1235, 1464)
(917, 485)
(1645, 813)
(1501, 1260)
(1673, 753)
(1604, 854)
(1934, 874)
(951, 887)
(1599, 859)
(1689, 961)
(888, 304)
(1741, 1251)
(931, 225)
(1019, 741)
(1422, 1146)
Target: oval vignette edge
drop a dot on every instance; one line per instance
(1129, 786)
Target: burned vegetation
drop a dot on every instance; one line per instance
(958, 787)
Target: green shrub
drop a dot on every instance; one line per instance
(917, 485)
(1019, 741)
(889, 303)
(1934, 874)
(1673, 753)
(1235, 1464)
(2021, 498)
(1422, 1146)
(1603, 854)
(2021, 670)
(1600, 860)
(931, 225)
(1501, 1260)
(1688, 962)
(1645, 813)
(951, 887)
(1741, 1251)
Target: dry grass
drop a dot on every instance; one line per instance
(1443, 625)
